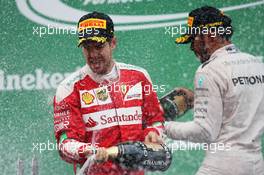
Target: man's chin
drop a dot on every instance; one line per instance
(99, 72)
(202, 58)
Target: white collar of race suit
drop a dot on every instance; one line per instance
(106, 79)
(230, 48)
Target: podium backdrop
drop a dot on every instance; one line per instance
(35, 57)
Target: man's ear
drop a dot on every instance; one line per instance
(213, 35)
(113, 42)
(210, 38)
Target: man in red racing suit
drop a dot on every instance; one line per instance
(94, 109)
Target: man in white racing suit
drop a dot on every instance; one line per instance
(228, 100)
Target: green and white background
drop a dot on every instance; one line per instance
(32, 64)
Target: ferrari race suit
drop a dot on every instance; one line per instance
(101, 111)
(228, 114)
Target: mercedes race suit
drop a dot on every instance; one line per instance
(228, 113)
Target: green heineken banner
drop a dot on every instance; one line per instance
(39, 49)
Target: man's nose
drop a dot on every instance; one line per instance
(93, 53)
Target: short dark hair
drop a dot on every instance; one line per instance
(227, 25)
